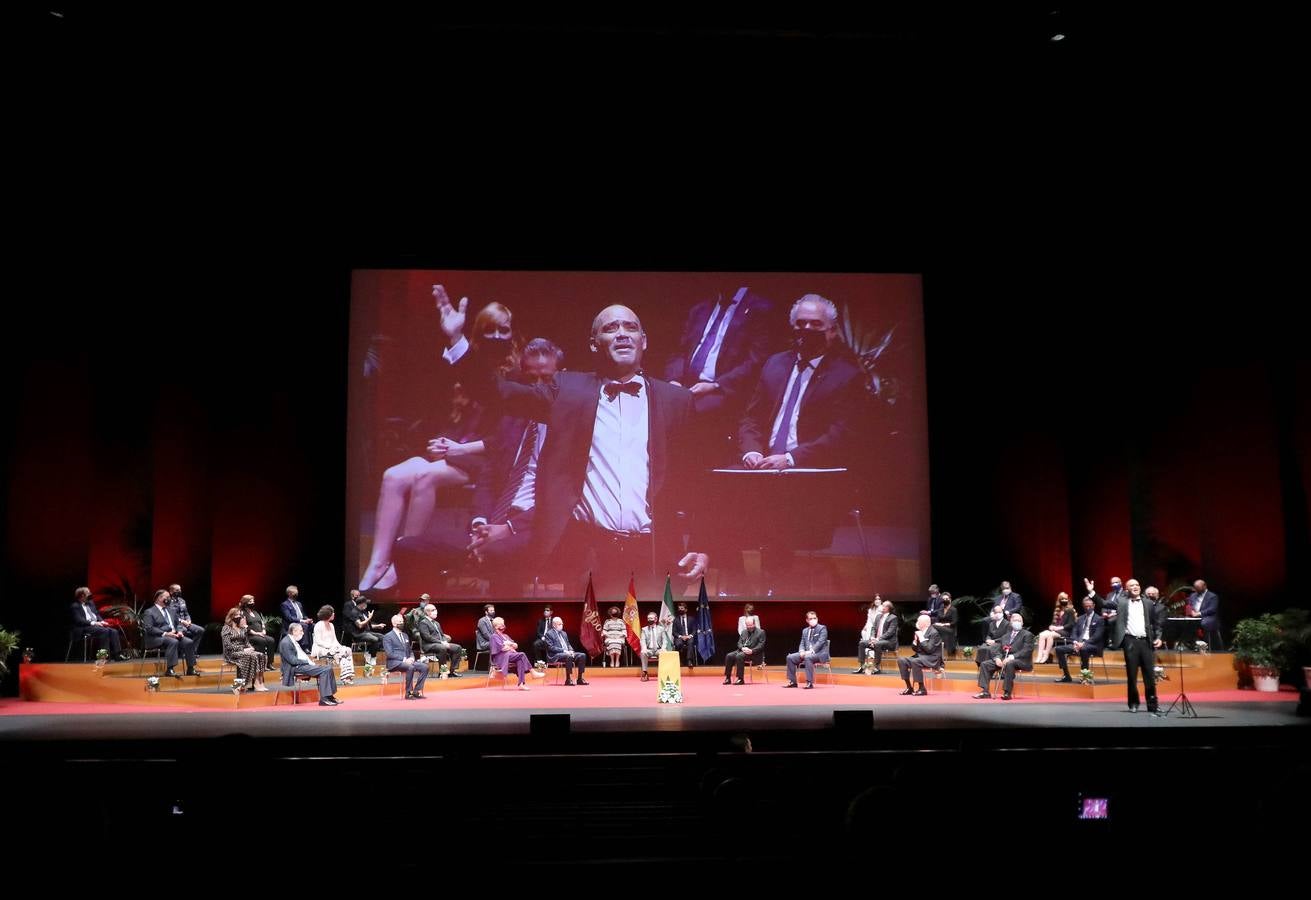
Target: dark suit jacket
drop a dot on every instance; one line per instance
(567, 406)
(818, 641)
(679, 631)
(928, 650)
(154, 624)
(832, 406)
(947, 617)
(1206, 605)
(1022, 649)
(752, 640)
(543, 627)
(289, 614)
(995, 629)
(287, 655)
(178, 605)
(1096, 636)
(430, 635)
(1120, 624)
(1009, 604)
(396, 646)
(502, 446)
(747, 341)
(80, 617)
(485, 631)
(891, 624)
(350, 614)
(556, 644)
(254, 621)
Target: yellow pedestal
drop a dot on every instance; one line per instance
(669, 668)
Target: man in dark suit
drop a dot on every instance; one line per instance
(927, 654)
(256, 631)
(396, 646)
(1206, 604)
(612, 436)
(881, 638)
(87, 621)
(545, 622)
(293, 611)
(934, 604)
(812, 649)
(1135, 632)
(485, 628)
(1087, 638)
(725, 342)
(178, 605)
(804, 413)
(1015, 655)
(683, 630)
(1010, 602)
(750, 644)
(808, 398)
(434, 642)
(295, 662)
(560, 650)
(997, 623)
(163, 630)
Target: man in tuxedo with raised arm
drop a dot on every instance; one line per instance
(610, 451)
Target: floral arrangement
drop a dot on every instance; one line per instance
(152, 683)
(368, 670)
(1158, 672)
(445, 670)
(670, 693)
(102, 653)
(967, 652)
(540, 665)
(1085, 676)
(238, 685)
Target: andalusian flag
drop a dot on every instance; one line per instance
(667, 615)
(632, 619)
(589, 632)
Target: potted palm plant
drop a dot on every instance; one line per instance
(8, 644)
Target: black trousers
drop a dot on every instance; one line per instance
(879, 648)
(172, 647)
(908, 664)
(264, 644)
(106, 637)
(1063, 652)
(737, 660)
(686, 650)
(369, 639)
(1138, 655)
(571, 660)
(449, 654)
(1008, 671)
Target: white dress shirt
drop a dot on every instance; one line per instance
(806, 376)
(619, 464)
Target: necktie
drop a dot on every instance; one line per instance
(615, 388)
(807, 638)
(703, 352)
(780, 444)
(527, 447)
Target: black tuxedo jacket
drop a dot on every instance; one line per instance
(567, 406)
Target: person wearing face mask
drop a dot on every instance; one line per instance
(1086, 637)
(257, 634)
(879, 635)
(926, 647)
(1015, 655)
(653, 641)
(1009, 601)
(454, 456)
(603, 503)
(991, 637)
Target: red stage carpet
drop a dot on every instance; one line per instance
(700, 692)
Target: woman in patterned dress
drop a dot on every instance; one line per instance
(238, 651)
(614, 633)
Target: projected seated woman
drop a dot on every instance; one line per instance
(454, 458)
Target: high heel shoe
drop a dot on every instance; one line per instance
(384, 582)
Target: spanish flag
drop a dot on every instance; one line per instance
(632, 619)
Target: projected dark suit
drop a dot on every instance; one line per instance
(747, 341)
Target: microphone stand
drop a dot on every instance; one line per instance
(1186, 708)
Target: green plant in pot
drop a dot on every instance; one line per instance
(8, 644)
(1261, 644)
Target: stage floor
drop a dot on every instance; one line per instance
(610, 704)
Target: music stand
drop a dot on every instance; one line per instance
(1186, 708)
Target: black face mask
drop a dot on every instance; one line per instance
(495, 346)
(810, 343)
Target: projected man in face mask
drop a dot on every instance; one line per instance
(611, 450)
(804, 408)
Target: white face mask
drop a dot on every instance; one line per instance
(1017, 625)
(996, 617)
(1005, 591)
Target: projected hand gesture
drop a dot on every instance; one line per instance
(452, 317)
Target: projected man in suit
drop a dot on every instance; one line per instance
(803, 413)
(725, 342)
(601, 502)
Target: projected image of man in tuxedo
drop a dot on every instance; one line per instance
(602, 504)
